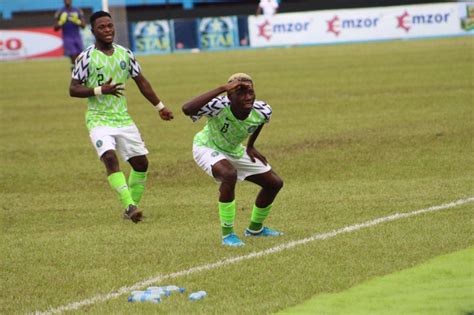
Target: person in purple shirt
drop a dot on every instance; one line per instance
(70, 20)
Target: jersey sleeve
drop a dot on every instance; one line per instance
(213, 108)
(264, 110)
(81, 66)
(134, 68)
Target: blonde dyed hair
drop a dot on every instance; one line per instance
(240, 76)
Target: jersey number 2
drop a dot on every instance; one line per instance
(100, 79)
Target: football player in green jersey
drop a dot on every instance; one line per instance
(218, 150)
(99, 75)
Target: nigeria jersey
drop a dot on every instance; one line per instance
(223, 131)
(93, 68)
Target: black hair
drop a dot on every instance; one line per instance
(97, 15)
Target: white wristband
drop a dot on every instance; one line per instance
(159, 106)
(98, 91)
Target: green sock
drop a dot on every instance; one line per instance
(227, 216)
(136, 184)
(119, 184)
(258, 216)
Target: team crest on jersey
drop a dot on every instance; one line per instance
(252, 129)
(123, 65)
(98, 143)
(215, 153)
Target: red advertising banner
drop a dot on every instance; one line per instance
(30, 43)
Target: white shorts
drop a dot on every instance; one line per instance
(127, 141)
(206, 157)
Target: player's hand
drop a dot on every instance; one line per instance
(74, 18)
(166, 114)
(62, 19)
(112, 89)
(254, 154)
(236, 84)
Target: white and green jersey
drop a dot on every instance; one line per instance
(223, 131)
(93, 68)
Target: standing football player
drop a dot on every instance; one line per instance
(70, 20)
(99, 75)
(218, 150)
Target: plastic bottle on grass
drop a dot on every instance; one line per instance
(197, 295)
(144, 296)
(158, 290)
(173, 288)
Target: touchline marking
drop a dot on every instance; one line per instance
(233, 260)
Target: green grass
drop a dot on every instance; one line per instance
(358, 132)
(443, 285)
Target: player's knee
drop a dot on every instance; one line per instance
(110, 159)
(228, 176)
(141, 166)
(139, 163)
(276, 184)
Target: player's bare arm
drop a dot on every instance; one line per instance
(146, 89)
(251, 151)
(77, 89)
(193, 106)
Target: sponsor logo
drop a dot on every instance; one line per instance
(15, 44)
(336, 25)
(153, 36)
(467, 22)
(10, 44)
(252, 129)
(406, 21)
(215, 153)
(99, 143)
(217, 32)
(267, 29)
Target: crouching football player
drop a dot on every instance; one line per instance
(218, 150)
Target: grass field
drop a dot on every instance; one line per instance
(358, 132)
(443, 285)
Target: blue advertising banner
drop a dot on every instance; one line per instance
(218, 33)
(152, 37)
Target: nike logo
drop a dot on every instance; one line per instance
(99, 68)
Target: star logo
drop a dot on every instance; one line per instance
(152, 29)
(263, 30)
(216, 26)
(403, 21)
(333, 25)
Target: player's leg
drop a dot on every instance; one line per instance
(105, 144)
(118, 182)
(131, 148)
(73, 59)
(77, 48)
(215, 164)
(271, 184)
(138, 176)
(226, 174)
(69, 48)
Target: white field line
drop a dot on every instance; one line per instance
(229, 261)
